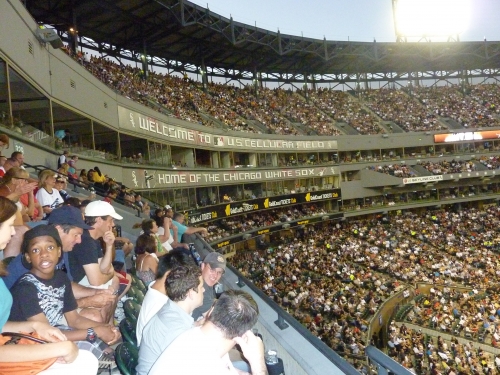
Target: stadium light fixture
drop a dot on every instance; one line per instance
(438, 19)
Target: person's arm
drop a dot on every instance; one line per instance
(31, 204)
(193, 230)
(253, 350)
(106, 262)
(44, 330)
(20, 190)
(65, 351)
(80, 324)
(92, 297)
(175, 232)
(166, 230)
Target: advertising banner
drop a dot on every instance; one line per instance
(229, 209)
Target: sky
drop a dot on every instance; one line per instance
(355, 20)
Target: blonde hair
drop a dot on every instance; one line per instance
(43, 176)
(14, 172)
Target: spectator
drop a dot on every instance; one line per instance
(146, 262)
(178, 221)
(44, 294)
(87, 263)
(228, 324)
(212, 269)
(61, 185)
(71, 360)
(184, 287)
(47, 194)
(4, 141)
(13, 186)
(156, 295)
(63, 158)
(16, 160)
(98, 179)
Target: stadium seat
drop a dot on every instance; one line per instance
(127, 329)
(132, 308)
(127, 357)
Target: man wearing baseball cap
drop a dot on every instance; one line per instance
(212, 269)
(88, 265)
(70, 225)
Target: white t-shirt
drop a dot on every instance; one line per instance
(192, 353)
(53, 200)
(168, 243)
(153, 302)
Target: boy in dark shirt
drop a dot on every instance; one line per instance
(44, 294)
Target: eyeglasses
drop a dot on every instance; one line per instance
(212, 270)
(21, 178)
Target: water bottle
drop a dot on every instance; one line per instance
(271, 357)
(274, 364)
(195, 254)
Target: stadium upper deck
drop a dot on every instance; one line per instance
(186, 37)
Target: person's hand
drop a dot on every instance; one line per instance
(38, 218)
(200, 321)
(47, 332)
(108, 333)
(174, 227)
(102, 298)
(109, 238)
(25, 188)
(253, 350)
(70, 352)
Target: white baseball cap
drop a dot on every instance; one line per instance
(101, 208)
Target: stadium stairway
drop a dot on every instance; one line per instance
(450, 123)
(391, 127)
(346, 128)
(257, 125)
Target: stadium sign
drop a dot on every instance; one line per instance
(132, 121)
(419, 180)
(466, 136)
(221, 211)
(155, 179)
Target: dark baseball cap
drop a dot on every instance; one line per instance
(215, 260)
(68, 215)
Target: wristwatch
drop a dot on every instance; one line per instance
(91, 335)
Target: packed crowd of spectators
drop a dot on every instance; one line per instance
(396, 170)
(345, 108)
(363, 262)
(447, 167)
(264, 108)
(228, 227)
(405, 111)
(434, 355)
(413, 110)
(478, 109)
(490, 162)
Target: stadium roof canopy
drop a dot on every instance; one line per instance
(182, 31)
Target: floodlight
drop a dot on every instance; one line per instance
(430, 18)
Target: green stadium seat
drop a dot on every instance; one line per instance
(127, 357)
(132, 308)
(127, 329)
